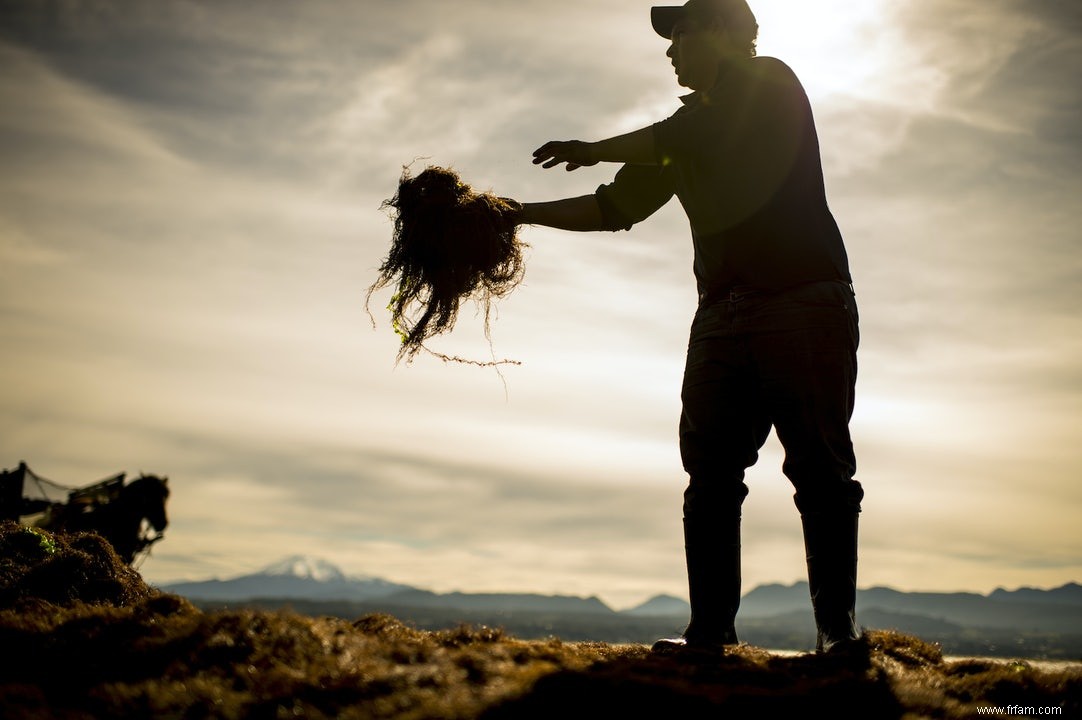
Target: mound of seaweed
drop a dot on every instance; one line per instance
(37, 566)
(450, 243)
(888, 675)
(84, 637)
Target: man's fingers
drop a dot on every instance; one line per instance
(544, 150)
(553, 153)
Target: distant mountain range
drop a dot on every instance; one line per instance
(300, 577)
(1026, 621)
(1058, 610)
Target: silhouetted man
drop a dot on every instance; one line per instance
(774, 340)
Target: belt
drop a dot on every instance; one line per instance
(736, 293)
(733, 294)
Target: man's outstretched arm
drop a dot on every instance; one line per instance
(581, 214)
(634, 148)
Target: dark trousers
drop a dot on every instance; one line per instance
(758, 360)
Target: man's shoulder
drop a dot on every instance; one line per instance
(766, 67)
(770, 78)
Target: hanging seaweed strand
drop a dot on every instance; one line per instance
(450, 244)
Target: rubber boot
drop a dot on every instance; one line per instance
(713, 563)
(830, 540)
(712, 551)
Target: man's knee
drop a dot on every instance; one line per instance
(714, 496)
(820, 497)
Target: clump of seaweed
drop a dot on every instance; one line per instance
(450, 243)
(38, 567)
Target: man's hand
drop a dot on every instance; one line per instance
(575, 153)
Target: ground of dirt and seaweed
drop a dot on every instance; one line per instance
(83, 637)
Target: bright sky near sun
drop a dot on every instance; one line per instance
(190, 216)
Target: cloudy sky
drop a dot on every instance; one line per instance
(190, 216)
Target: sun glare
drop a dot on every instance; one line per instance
(835, 46)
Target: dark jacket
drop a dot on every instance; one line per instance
(743, 158)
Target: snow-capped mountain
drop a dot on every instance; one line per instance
(298, 577)
(305, 566)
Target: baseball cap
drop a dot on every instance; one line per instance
(734, 13)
